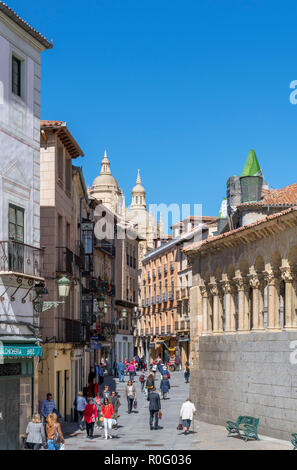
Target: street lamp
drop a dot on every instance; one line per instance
(63, 290)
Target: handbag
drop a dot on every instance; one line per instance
(159, 414)
(135, 404)
(180, 425)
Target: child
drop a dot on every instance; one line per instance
(142, 379)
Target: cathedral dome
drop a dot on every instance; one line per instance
(105, 179)
(138, 188)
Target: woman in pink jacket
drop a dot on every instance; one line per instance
(131, 370)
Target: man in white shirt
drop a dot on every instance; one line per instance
(186, 413)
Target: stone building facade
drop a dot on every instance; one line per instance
(21, 257)
(243, 318)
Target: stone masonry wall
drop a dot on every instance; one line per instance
(251, 374)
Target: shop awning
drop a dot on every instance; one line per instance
(20, 350)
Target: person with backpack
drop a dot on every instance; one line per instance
(142, 380)
(54, 433)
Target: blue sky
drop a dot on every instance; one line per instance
(181, 89)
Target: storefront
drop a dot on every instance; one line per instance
(18, 391)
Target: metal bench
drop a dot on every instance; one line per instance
(246, 425)
(294, 441)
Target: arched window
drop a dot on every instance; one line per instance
(140, 199)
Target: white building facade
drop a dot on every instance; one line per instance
(20, 254)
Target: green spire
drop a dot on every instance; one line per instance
(252, 167)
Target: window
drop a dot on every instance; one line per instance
(16, 76)
(16, 223)
(136, 199)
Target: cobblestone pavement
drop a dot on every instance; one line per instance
(134, 432)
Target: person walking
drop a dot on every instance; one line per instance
(165, 371)
(80, 405)
(142, 380)
(115, 367)
(92, 375)
(131, 370)
(165, 386)
(114, 400)
(107, 412)
(93, 388)
(54, 432)
(187, 373)
(186, 413)
(47, 406)
(154, 408)
(35, 433)
(101, 374)
(121, 371)
(90, 417)
(130, 394)
(106, 392)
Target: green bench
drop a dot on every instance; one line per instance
(294, 441)
(244, 424)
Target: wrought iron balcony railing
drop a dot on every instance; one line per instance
(21, 258)
(105, 246)
(171, 266)
(64, 260)
(159, 271)
(72, 331)
(156, 330)
(165, 297)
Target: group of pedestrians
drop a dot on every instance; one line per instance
(44, 430)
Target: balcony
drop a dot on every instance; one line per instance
(168, 330)
(178, 294)
(106, 330)
(141, 332)
(64, 260)
(154, 274)
(72, 331)
(105, 246)
(147, 302)
(153, 300)
(182, 325)
(165, 270)
(171, 295)
(148, 276)
(147, 331)
(164, 297)
(157, 330)
(171, 266)
(185, 293)
(143, 303)
(159, 271)
(158, 299)
(20, 258)
(163, 330)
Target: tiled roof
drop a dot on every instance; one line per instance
(24, 25)
(64, 135)
(286, 196)
(210, 240)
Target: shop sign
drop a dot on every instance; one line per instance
(96, 345)
(15, 350)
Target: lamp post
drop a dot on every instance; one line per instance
(63, 290)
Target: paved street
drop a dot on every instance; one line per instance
(134, 432)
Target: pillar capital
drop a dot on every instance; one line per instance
(227, 286)
(254, 281)
(287, 274)
(241, 283)
(204, 290)
(214, 288)
(272, 277)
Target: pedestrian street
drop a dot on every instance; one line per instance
(134, 432)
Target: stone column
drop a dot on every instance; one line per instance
(273, 282)
(216, 307)
(229, 306)
(242, 286)
(290, 302)
(256, 285)
(262, 284)
(204, 293)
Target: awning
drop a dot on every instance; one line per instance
(20, 350)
